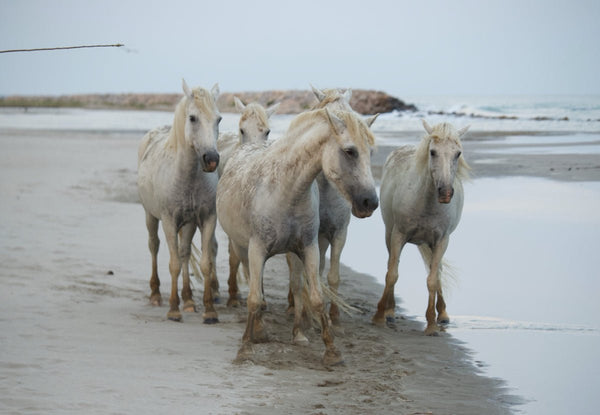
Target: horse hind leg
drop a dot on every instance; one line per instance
(333, 276)
(296, 287)
(208, 267)
(186, 234)
(153, 245)
(234, 265)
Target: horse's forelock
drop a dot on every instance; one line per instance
(332, 96)
(255, 110)
(442, 132)
(357, 127)
(204, 100)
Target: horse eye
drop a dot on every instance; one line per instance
(193, 118)
(458, 154)
(267, 132)
(219, 119)
(241, 131)
(433, 153)
(351, 152)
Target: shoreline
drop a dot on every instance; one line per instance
(79, 307)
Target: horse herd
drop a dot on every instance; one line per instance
(293, 196)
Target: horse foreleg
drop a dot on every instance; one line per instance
(174, 268)
(333, 276)
(186, 234)
(395, 241)
(153, 245)
(433, 286)
(332, 356)
(255, 332)
(296, 285)
(209, 268)
(234, 265)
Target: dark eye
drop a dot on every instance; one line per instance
(267, 133)
(219, 119)
(433, 153)
(241, 131)
(351, 152)
(458, 154)
(193, 118)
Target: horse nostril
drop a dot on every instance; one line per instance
(371, 203)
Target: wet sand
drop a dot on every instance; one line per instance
(78, 335)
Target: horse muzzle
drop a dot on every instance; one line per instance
(363, 207)
(445, 194)
(210, 160)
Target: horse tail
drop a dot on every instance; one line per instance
(447, 273)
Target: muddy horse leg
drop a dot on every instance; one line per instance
(395, 241)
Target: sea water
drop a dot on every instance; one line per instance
(524, 252)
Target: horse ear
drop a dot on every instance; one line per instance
(186, 89)
(271, 110)
(239, 105)
(215, 91)
(318, 93)
(337, 124)
(370, 120)
(427, 127)
(348, 95)
(463, 130)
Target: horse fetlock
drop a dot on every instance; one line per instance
(245, 353)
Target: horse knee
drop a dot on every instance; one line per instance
(153, 244)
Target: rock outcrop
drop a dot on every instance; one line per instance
(291, 101)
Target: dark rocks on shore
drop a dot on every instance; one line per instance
(291, 101)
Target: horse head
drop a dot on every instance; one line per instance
(200, 117)
(445, 157)
(347, 162)
(254, 122)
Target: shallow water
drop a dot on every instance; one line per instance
(524, 298)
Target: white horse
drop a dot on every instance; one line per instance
(253, 128)
(268, 203)
(421, 203)
(177, 184)
(334, 209)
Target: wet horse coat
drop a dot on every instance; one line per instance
(268, 204)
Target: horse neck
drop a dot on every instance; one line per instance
(298, 154)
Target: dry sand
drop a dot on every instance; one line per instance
(77, 334)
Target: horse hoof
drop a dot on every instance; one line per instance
(189, 307)
(156, 300)
(378, 321)
(233, 302)
(300, 340)
(245, 353)
(210, 317)
(333, 358)
(174, 316)
(444, 321)
(432, 330)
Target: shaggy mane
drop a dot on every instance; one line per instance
(441, 132)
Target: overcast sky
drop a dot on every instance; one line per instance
(419, 47)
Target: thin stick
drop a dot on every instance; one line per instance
(118, 45)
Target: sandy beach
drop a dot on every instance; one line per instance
(78, 334)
